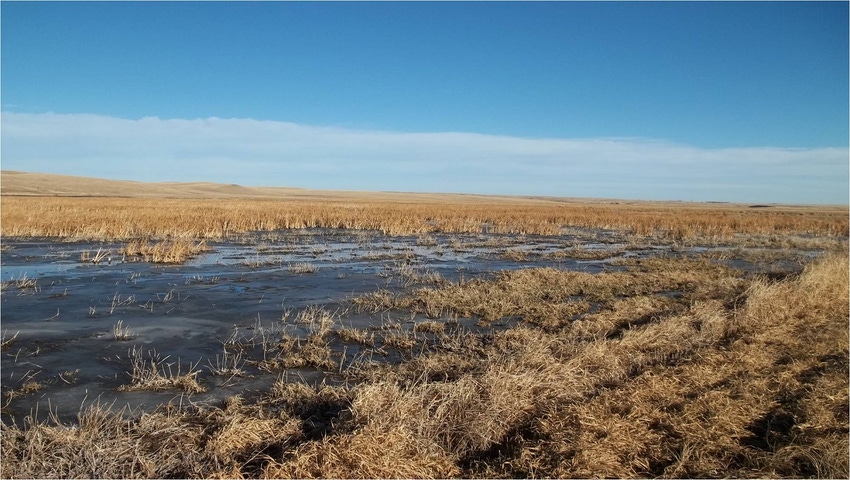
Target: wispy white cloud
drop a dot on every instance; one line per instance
(253, 152)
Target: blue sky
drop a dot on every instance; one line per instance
(688, 101)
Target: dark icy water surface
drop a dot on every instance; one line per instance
(59, 309)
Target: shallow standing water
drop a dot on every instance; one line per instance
(59, 308)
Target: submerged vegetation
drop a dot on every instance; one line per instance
(670, 366)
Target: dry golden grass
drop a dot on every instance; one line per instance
(429, 327)
(23, 284)
(354, 335)
(172, 442)
(157, 373)
(167, 251)
(302, 267)
(552, 298)
(772, 402)
(133, 218)
(650, 387)
(292, 352)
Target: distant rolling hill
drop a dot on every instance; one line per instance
(15, 183)
(48, 184)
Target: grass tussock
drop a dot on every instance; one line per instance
(23, 284)
(294, 352)
(735, 377)
(121, 332)
(168, 251)
(156, 373)
(302, 267)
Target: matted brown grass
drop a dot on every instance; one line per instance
(553, 298)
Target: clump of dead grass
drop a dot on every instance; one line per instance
(228, 364)
(302, 268)
(294, 352)
(157, 373)
(744, 410)
(121, 332)
(355, 335)
(23, 284)
(429, 326)
(167, 251)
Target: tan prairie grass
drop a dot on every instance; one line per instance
(294, 397)
(98, 256)
(244, 430)
(131, 218)
(300, 268)
(772, 403)
(683, 396)
(166, 251)
(621, 315)
(156, 373)
(171, 442)
(748, 382)
(26, 388)
(292, 352)
(355, 335)
(23, 284)
(399, 339)
(319, 321)
(228, 364)
(429, 326)
(552, 298)
(409, 274)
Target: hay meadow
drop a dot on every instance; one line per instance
(712, 341)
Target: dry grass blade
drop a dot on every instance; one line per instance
(5, 342)
(122, 333)
(229, 364)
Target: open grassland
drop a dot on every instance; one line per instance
(79, 208)
(602, 375)
(215, 219)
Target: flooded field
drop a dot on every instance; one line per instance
(77, 318)
(214, 331)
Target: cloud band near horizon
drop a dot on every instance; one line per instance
(271, 153)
